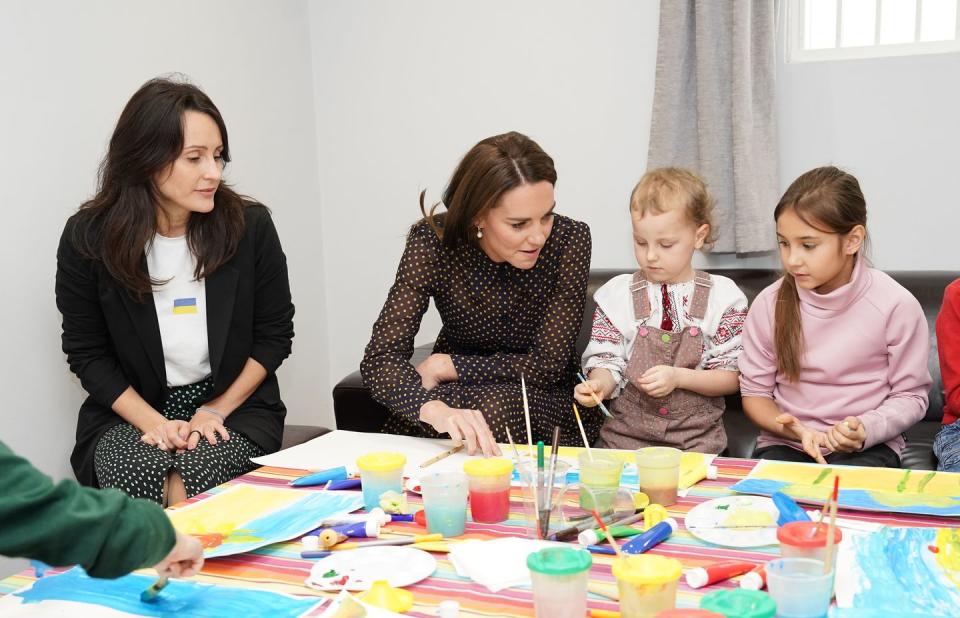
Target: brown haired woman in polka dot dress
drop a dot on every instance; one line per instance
(508, 277)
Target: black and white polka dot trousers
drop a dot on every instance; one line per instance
(124, 462)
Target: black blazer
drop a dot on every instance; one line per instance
(113, 342)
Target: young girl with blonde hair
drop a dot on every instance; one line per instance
(665, 340)
(834, 367)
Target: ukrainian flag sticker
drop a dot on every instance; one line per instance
(184, 305)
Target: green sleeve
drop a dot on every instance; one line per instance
(106, 532)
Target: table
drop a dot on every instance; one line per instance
(279, 567)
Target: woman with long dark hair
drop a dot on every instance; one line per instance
(176, 307)
(509, 278)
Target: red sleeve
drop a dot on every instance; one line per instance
(948, 345)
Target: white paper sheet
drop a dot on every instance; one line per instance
(340, 448)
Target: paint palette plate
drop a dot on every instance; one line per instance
(357, 569)
(413, 485)
(735, 521)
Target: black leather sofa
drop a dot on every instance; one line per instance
(356, 411)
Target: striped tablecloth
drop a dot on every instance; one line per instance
(279, 567)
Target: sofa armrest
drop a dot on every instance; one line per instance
(354, 408)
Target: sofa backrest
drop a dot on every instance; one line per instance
(926, 286)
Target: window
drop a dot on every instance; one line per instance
(844, 29)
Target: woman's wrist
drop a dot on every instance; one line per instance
(213, 412)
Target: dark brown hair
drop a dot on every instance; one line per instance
(120, 221)
(830, 200)
(665, 188)
(490, 169)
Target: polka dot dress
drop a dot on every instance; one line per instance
(124, 462)
(498, 321)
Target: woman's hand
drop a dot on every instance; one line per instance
(659, 381)
(205, 425)
(184, 560)
(435, 369)
(167, 435)
(811, 440)
(467, 427)
(847, 436)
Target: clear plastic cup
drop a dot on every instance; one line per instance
(800, 587)
(647, 584)
(805, 539)
(600, 471)
(445, 502)
(658, 469)
(559, 576)
(543, 515)
(380, 472)
(489, 489)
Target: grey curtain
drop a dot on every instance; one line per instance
(714, 110)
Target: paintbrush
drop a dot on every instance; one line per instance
(606, 532)
(526, 414)
(516, 453)
(442, 455)
(596, 397)
(828, 561)
(583, 434)
(150, 594)
(545, 511)
(823, 513)
(410, 540)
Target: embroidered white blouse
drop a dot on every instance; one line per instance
(615, 325)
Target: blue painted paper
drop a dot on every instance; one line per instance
(915, 570)
(179, 598)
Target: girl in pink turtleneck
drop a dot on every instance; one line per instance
(834, 362)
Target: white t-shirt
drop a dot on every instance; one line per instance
(181, 310)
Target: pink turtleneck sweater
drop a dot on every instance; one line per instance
(867, 346)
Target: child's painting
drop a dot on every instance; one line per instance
(915, 570)
(245, 517)
(917, 492)
(74, 593)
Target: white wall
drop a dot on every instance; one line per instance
(894, 124)
(404, 89)
(68, 68)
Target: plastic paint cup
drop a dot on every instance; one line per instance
(740, 604)
(804, 539)
(799, 587)
(445, 502)
(534, 484)
(658, 469)
(600, 471)
(379, 473)
(559, 577)
(489, 489)
(647, 584)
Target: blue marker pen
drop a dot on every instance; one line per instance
(789, 509)
(651, 538)
(601, 549)
(319, 478)
(314, 554)
(344, 484)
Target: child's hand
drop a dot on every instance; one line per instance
(847, 436)
(659, 381)
(599, 381)
(811, 440)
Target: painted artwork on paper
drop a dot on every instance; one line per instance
(915, 570)
(917, 492)
(245, 517)
(74, 593)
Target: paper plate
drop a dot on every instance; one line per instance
(401, 566)
(413, 485)
(735, 521)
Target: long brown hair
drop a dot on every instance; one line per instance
(830, 200)
(120, 221)
(490, 169)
